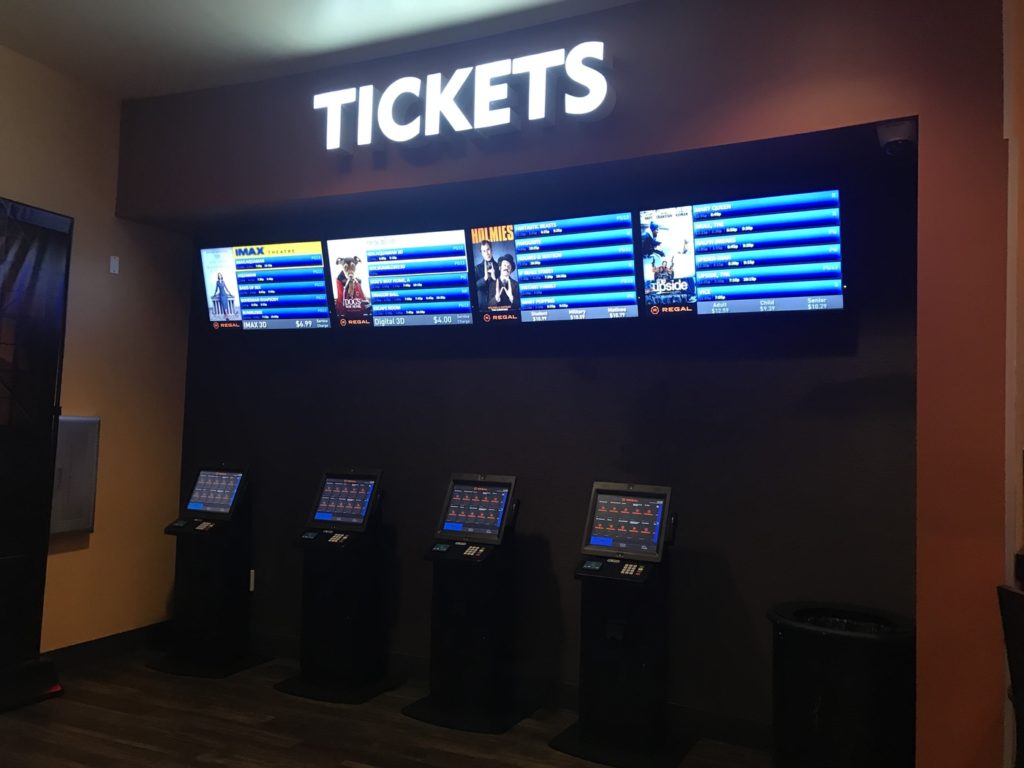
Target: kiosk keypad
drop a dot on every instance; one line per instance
(192, 525)
(473, 550)
(632, 569)
(614, 568)
(338, 538)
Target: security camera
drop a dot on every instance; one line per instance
(897, 137)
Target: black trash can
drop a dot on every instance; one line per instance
(843, 691)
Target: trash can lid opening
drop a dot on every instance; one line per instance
(846, 620)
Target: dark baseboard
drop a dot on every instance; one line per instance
(153, 636)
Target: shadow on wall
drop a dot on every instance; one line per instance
(713, 635)
(540, 628)
(69, 542)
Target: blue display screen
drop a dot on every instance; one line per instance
(565, 269)
(476, 509)
(766, 254)
(401, 280)
(214, 492)
(626, 524)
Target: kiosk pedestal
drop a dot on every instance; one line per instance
(210, 624)
(473, 684)
(344, 651)
(624, 633)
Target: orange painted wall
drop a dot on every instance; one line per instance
(714, 72)
(124, 357)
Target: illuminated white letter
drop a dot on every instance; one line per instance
(386, 110)
(333, 101)
(440, 100)
(537, 66)
(364, 128)
(588, 77)
(487, 92)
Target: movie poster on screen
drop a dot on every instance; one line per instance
(666, 247)
(221, 284)
(350, 281)
(495, 275)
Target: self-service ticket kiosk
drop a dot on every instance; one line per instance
(624, 632)
(472, 664)
(344, 648)
(210, 622)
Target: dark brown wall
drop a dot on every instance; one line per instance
(707, 73)
(788, 440)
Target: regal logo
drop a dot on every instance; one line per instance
(249, 251)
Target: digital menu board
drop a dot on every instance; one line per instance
(214, 492)
(266, 287)
(401, 280)
(765, 254)
(558, 269)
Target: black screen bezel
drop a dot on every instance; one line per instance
(508, 481)
(201, 514)
(647, 491)
(352, 474)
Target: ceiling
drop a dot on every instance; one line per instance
(138, 48)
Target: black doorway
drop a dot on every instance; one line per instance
(35, 247)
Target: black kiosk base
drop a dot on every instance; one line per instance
(427, 710)
(28, 683)
(171, 664)
(666, 755)
(340, 692)
(344, 648)
(210, 625)
(473, 685)
(624, 633)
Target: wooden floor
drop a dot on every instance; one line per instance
(118, 713)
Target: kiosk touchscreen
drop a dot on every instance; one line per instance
(344, 642)
(624, 630)
(345, 505)
(472, 649)
(215, 495)
(211, 578)
(625, 530)
(475, 516)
